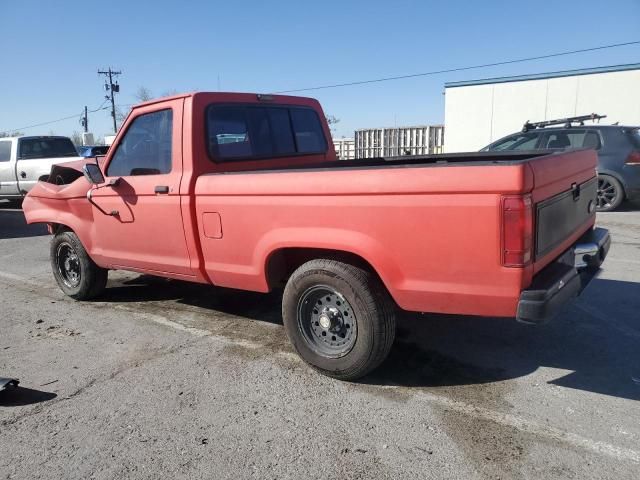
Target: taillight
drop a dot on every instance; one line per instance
(517, 230)
(633, 158)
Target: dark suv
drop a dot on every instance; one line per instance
(618, 150)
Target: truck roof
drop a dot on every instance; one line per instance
(233, 96)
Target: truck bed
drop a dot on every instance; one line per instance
(434, 232)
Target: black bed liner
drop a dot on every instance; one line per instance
(443, 159)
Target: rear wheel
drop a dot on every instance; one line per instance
(339, 318)
(610, 193)
(76, 274)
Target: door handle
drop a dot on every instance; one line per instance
(23, 174)
(162, 189)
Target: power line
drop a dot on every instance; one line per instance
(100, 107)
(377, 80)
(84, 119)
(460, 69)
(41, 124)
(56, 120)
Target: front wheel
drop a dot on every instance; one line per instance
(76, 274)
(339, 318)
(610, 193)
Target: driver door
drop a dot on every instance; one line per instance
(142, 227)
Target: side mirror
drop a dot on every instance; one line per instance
(93, 174)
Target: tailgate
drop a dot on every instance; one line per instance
(558, 217)
(564, 198)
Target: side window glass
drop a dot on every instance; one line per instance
(591, 140)
(567, 139)
(146, 146)
(5, 151)
(308, 131)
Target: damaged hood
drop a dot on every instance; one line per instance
(66, 180)
(74, 165)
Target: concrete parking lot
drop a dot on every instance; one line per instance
(162, 378)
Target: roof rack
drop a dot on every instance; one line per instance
(567, 122)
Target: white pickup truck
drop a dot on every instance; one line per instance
(25, 160)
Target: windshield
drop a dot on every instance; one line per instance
(46, 147)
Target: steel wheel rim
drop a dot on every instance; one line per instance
(607, 193)
(327, 321)
(68, 265)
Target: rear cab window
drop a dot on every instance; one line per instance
(33, 148)
(247, 132)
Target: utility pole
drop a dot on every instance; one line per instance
(111, 88)
(85, 120)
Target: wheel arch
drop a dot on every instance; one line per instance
(56, 228)
(282, 262)
(618, 177)
(65, 214)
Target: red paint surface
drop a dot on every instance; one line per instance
(433, 233)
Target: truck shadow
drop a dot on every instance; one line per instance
(20, 396)
(598, 345)
(597, 340)
(14, 225)
(147, 288)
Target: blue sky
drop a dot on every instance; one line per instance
(52, 50)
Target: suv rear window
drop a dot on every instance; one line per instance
(45, 147)
(244, 132)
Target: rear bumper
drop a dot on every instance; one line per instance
(560, 282)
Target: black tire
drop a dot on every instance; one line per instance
(610, 193)
(358, 349)
(77, 275)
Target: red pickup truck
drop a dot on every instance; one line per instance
(245, 191)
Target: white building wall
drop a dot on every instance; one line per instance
(398, 141)
(476, 115)
(345, 148)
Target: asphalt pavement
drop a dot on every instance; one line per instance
(162, 378)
